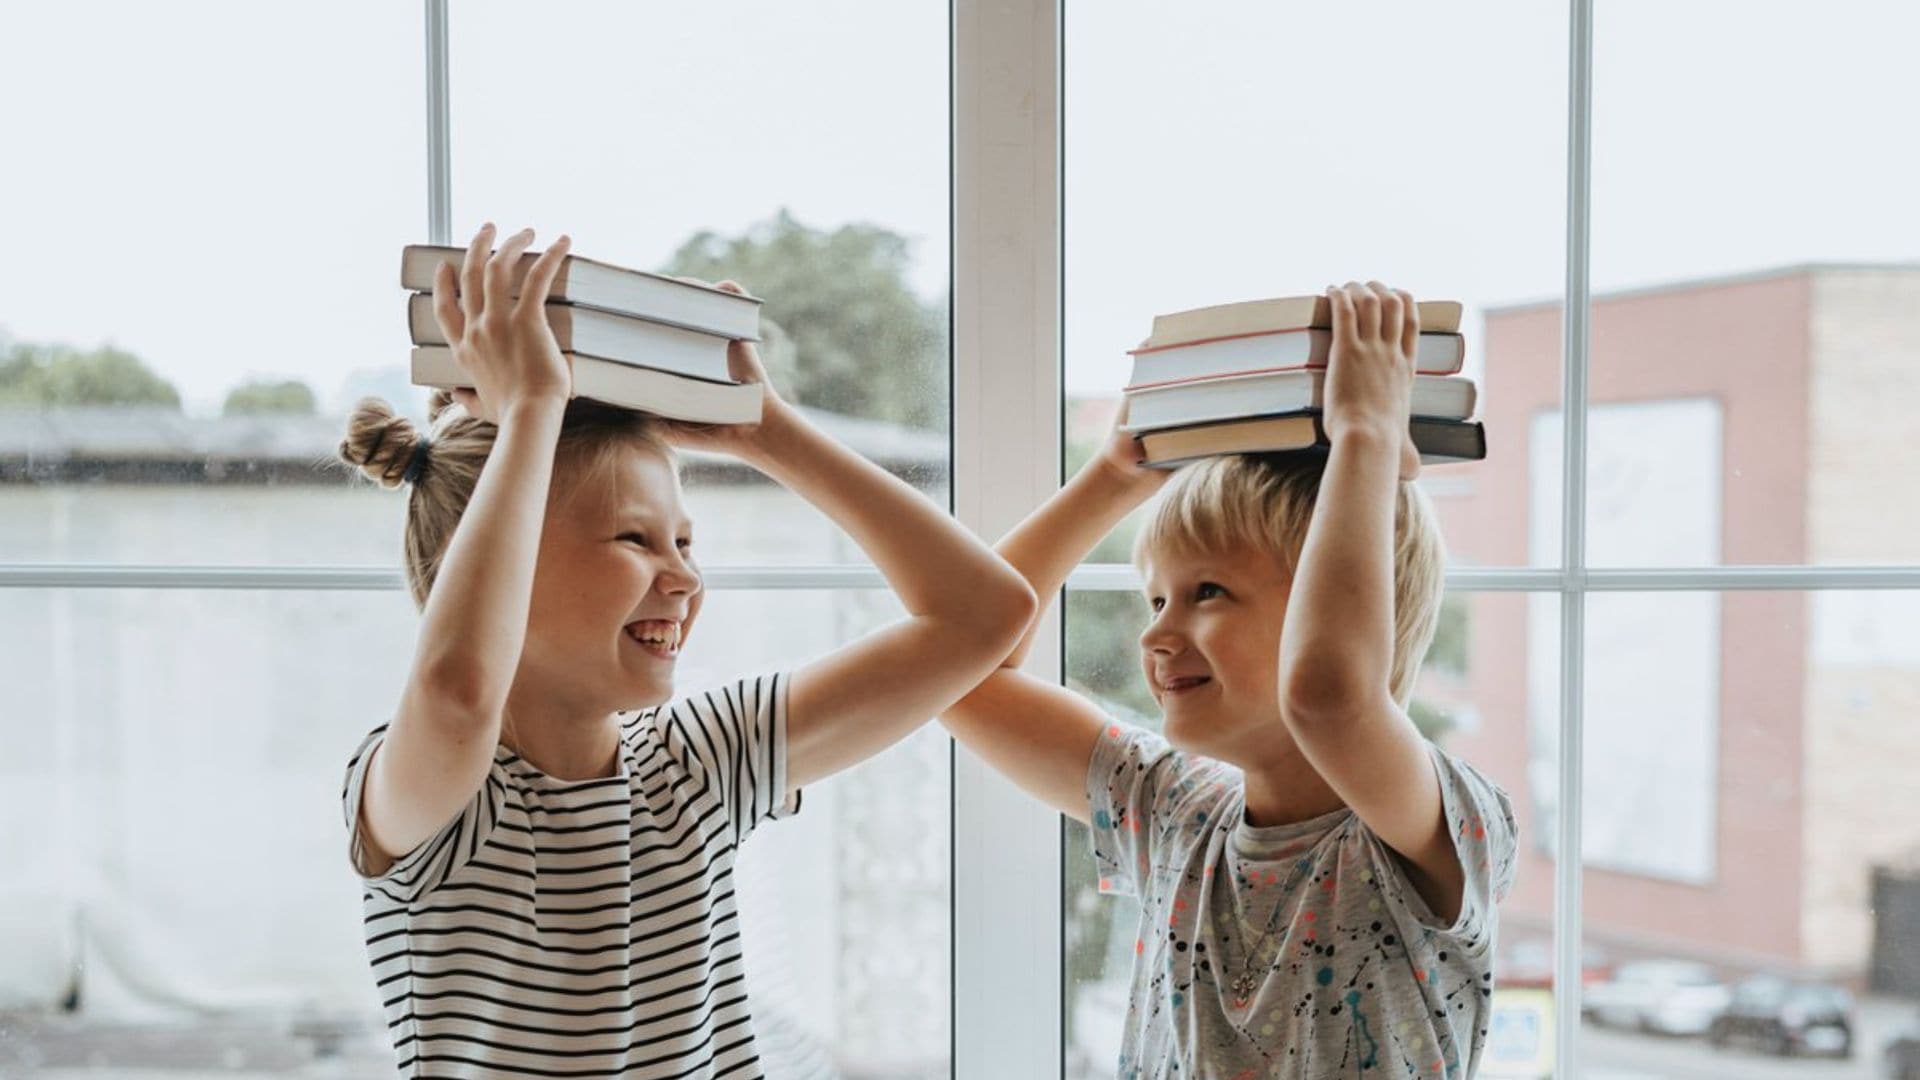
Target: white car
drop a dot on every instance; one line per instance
(1672, 997)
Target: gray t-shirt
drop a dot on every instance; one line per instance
(1299, 951)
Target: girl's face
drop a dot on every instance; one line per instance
(1211, 652)
(615, 589)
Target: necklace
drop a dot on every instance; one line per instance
(1245, 983)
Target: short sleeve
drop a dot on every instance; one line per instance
(1480, 820)
(435, 859)
(736, 736)
(1145, 800)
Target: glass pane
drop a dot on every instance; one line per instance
(699, 142)
(168, 738)
(1206, 161)
(207, 279)
(1467, 699)
(1755, 364)
(1744, 758)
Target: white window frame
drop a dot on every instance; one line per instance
(1006, 60)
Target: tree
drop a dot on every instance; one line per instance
(268, 396)
(844, 331)
(62, 375)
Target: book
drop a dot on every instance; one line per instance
(654, 297)
(1237, 397)
(606, 335)
(1440, 353)
(1279, 313)
(664, 393)
(1439, 441)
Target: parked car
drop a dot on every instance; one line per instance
(1784, 1017)
(1901, 1059)
(1673, 997)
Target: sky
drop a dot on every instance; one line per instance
(223, 188)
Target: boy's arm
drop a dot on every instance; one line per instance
(965, 607)
(1035, 732)
(1336, 647)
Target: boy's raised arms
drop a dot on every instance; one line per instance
(1336, 646)
(1033, 731)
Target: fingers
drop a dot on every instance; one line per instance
(499, 274)
(1345, 319)
(470, 270)
(1366, 311)
(446, 302)
(533, 294)
(1392, 317)
(1410, 330)
(730, 286)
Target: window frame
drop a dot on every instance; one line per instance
(1007, 213)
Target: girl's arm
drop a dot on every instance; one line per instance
(440, 744)
(965, 607)
(1035, 732)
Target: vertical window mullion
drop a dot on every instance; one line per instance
(1567, 926)
(1006, 424)
(439, 111)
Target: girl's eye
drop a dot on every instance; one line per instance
(638, 538)
(1157, 603)
(1208, 590)
(685, 544)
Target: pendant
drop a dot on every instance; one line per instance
(1244, 985)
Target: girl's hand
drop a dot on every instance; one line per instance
(1376, 331)
(504, 344)
(1123, 458)
(743, 365)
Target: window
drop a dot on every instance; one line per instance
(1679, 621)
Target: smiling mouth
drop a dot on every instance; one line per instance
(661, 637)
(1184, 683)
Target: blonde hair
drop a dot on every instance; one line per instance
(442, 465)
(1264, 504)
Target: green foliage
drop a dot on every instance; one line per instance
(266, 396)
(844, 331)
(63, 375)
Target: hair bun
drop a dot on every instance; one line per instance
(379, 442)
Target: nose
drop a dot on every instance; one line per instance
(1162, 636)
(678, 576)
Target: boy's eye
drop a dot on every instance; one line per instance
(638, 538)
(1207, 590)
(1157, 602)
(685, 543)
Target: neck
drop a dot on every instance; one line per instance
(566, 746)
(1283, 787)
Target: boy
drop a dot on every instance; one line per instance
(1317, 881)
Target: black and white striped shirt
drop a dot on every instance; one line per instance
(585, 927)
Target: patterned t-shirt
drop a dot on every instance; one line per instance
(584, 927)
(1299, 951)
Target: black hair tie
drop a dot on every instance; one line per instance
(417, 463)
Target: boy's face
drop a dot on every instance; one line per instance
(1211, 652)
(615, 590)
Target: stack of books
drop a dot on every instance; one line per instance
(638, 340)
(1251, 378)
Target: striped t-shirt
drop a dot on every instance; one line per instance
(584, 927)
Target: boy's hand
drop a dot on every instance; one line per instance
(743, 364)
(1376, 331)
(502, 342)
(1121, 455)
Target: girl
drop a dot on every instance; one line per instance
(547, 849)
